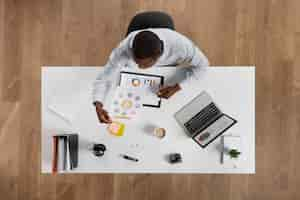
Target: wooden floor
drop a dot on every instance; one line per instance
(265, 33)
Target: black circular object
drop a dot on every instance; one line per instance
(98, 153)
(175, 158)
(99, 149)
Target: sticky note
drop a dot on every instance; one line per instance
(116, 128)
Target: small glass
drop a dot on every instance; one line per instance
(159, 132)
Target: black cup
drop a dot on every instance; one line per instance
(99, 149)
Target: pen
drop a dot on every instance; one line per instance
(129, 158)
(222, 152)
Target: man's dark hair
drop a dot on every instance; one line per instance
(147, 44)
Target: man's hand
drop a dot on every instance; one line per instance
(102, 114)
(168, 91)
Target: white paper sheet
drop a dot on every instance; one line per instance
(126, 103)
(67, 104)
(232, 142)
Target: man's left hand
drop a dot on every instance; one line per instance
(168, 91)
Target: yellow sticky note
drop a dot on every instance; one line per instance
(116, 128)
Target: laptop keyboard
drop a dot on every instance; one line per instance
(203, 118)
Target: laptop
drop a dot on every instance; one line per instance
(202, 119)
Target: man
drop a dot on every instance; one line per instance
(146, 48)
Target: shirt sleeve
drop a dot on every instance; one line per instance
(104, 81)
(195, 59)
(109, 76)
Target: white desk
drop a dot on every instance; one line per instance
(232, 88)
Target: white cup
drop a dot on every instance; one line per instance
(159, 132)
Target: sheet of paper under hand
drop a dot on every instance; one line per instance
(126, 103)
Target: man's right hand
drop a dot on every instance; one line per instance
(102, 114)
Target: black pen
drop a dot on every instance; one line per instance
(129, 158)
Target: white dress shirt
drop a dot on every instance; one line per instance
(178, 51)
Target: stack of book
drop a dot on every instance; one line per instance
(65, 152)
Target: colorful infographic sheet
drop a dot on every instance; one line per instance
(126, 103)
(145, 84)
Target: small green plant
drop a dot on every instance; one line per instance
(234, 153)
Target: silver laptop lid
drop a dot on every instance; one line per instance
(192, 108)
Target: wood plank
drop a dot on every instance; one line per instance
(74, 32)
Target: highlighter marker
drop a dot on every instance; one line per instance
(129, 158)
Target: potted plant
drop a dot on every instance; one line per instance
(234, 153)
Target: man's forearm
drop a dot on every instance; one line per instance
(104, 81)
(199, 59)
